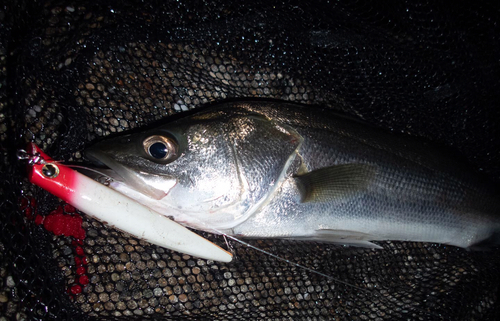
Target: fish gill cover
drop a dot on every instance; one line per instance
(75, 71)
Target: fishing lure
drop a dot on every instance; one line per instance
(115, 209)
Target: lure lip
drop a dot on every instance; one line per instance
(117, 210)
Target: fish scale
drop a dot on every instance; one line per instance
(304, 174)
(421, 187)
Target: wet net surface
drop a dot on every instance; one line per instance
(72, 72)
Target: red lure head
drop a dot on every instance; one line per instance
(43, 171)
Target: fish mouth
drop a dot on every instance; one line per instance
(151, 185)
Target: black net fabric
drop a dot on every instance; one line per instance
(74, 71)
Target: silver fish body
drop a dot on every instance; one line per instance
(279, 170)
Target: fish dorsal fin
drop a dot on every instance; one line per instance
(329, 183)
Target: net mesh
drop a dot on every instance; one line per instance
(74, 71)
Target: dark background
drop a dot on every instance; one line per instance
(72, 72)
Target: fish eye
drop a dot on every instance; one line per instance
(158, 150)
(161, 148)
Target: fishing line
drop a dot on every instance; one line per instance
(291, 262)
(365, 290)
(23, 155)
(87, 168)
(279, 258)
(283, 259)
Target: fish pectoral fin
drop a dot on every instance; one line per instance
(334, 182)
(345, 237)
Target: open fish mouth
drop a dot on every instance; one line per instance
(100, 171)
(151, 185)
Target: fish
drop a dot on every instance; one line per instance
(266, 169)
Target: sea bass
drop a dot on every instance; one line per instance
(280, 170)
